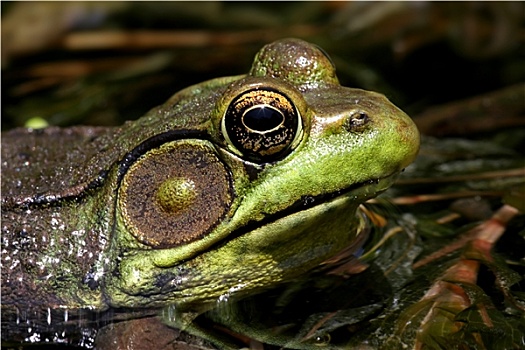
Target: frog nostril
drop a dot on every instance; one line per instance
(356, 121)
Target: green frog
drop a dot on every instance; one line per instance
(232, 186)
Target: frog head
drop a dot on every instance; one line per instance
(240, 183)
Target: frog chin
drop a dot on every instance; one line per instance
(279, 250)
(256, 256)
(250, 258)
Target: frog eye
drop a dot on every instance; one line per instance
(175, 194)
(262, 124)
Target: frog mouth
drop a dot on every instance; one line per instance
(292, 240)
(315, 204)
(272, 233)
(360, 191)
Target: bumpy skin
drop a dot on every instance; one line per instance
(68, 241)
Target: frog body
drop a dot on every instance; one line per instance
(230, 187)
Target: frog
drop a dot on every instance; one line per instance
(230, 187)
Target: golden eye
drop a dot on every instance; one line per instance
(262, 124)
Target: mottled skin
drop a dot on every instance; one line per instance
(67, 241)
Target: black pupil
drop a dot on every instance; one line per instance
(262, 118)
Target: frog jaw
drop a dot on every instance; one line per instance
(267, 255)
(252, 257)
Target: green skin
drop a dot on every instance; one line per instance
(67, 239)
